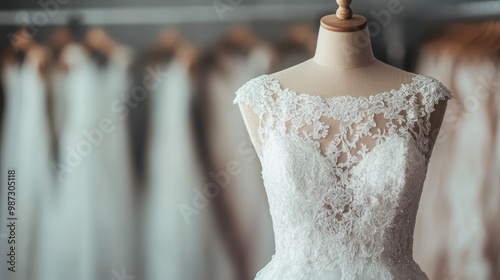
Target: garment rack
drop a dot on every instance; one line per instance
(241, 13)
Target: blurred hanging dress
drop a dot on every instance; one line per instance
(457, 230)
(94, 201)
(175, 245)
(228, 141)
(26, 148)
(113, 200)
(79, 171)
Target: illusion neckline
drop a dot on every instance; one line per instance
(402, 88)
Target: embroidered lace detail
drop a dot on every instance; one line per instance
(343, 176)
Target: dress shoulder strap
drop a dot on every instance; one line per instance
(432, 92)
(256, 93)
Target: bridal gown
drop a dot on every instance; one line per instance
(25, 147)
(95, 195)
(175, 245)
(113, 202)
(79, 172)
(346, 209)
(92, 201)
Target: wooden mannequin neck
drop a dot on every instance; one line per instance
(344, 50)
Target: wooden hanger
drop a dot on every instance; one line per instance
(97, 39)
(169, 45)
(56, 44)
(487, 44)
(164, 49)
(61, 37)
(343, 20)
(239, 40)
(19, 45)
(300, 35)
(297, 45)
(25, 48)
(71, 32)
(23, 41)
(476, 40)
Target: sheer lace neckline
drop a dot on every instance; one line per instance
(278, 85)
(284, 111)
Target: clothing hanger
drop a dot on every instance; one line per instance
(59, 40)
(73, 32)
(239, 40)
(164, 49)
(16, 51)
(344, 20)
(299, 40)
(302, 34)
(24, 48)
(465, 36)
(488, 42)
(473, 39)
(61, 37)
(169, 45)
(100, 45)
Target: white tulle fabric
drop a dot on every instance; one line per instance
(343, 177)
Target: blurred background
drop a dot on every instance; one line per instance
(131, 162)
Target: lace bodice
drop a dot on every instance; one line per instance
(343, 177)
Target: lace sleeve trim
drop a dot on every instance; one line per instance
(253, 93)
(258, 95)
(432, 91)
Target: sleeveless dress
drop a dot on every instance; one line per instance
(343, 177)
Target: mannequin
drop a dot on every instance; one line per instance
(344, 145)
(343, 64)
(23, 70)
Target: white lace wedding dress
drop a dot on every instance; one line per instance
(343, 177)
